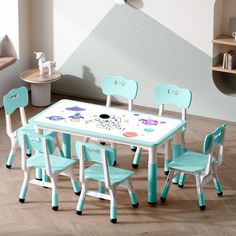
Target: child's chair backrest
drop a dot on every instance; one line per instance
(119, 85)
(94, 152)
(35, 141)
(172, 94)
(41, 144)
(213, 140)
(16, 98)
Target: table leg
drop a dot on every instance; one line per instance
(152, 176)
(66, 144)
(177, 151)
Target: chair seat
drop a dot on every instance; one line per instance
(58, 164)
(190, 162)
(117, 175)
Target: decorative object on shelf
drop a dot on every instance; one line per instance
(120, 2)
(229, 60)
(234, 35)
(42, 63)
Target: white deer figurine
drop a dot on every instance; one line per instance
(42, 63)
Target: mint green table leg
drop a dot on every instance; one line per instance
(152, 178)
(66, 144)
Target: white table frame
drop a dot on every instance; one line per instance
(152, 157)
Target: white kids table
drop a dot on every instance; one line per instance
(111, 124)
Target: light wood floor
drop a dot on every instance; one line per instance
(180, 215)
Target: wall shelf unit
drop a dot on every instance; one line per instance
(224, 25)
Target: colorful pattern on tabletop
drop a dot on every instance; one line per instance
(108, 121)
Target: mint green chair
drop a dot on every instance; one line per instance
(169, 94)
(53, 165)
(18, 99)
(119, 86)
(103, 172)
(204, 166)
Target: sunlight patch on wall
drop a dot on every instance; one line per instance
(190, 19)
(73, 22)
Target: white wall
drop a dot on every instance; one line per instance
(9, 23)
(60, 27)
(14, 21)
(190, 19)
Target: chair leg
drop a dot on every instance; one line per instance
(217, 181)
(177, 151)
(45, 178)
(74, 182)
(201, 196)
(113, 145)
(137, 158)
(113, 208)
(80, 204)
(101, 188)
(182, 179)
(54, 178)
(167, 157)
(10, 158)
(132, 194)
(24, 187)
(38, 174)
(166, 187)
(59, 147)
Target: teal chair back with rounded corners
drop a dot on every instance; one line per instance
(172, 94)
(217, 135)
(34, 140)
(14, 99)
(119, 85)
(93, 152)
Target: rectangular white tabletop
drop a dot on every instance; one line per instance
(106, 122)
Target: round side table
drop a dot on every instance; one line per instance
(40, 85)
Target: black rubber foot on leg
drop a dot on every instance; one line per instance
(135, 205)
(79, 213)
(115, 162)
(55, 208)
(152, 203)
(21, 200)
(166, 172)
(181, 185)
(133, 148)
(28, 154)
(38, 179)
(135, 166)
(78, 193)
(162, 199)
(202, 207)
(8, 166)
(174, 183)
(220, 194)
(102, 143)
(113, 221)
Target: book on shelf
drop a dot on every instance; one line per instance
(229, 60)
